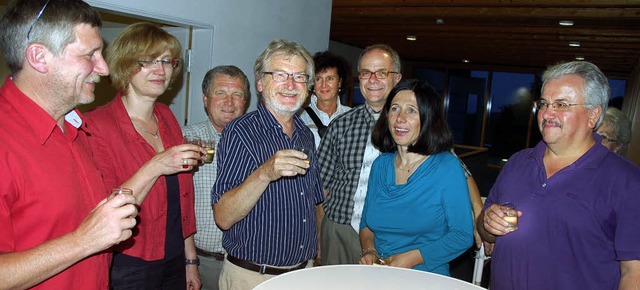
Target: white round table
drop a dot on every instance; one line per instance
(366, 277)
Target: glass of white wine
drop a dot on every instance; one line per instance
(210, 146)
(510, 215)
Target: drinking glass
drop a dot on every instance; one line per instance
(304, 150)
(121, 190)
(510, 215)
(210, 146)
(195, 141)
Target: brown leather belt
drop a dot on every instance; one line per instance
(216, 255)
(263, 269)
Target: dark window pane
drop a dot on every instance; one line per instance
(464, 105)
(617, 92)
(510, 113)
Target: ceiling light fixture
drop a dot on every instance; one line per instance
(465, 60)
(565, 22)
(439, 21)
(412, 37)
(579, 58)
(574, 43)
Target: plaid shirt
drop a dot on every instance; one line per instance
(340, 157)
(208, 236)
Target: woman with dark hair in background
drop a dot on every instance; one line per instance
(333, 74)
(137, 142)
(417, 213)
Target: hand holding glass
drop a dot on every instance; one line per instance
(121, 190)
(305, 151)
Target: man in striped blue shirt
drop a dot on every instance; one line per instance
(266, 194)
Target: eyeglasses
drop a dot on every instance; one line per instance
(37, 18)
(381, 74)
(280, 76)
(555, 105)
(166, 63)
(606, 138)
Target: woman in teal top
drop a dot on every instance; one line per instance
(417, 212)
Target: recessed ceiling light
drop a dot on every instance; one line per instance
(565, 22)
(439, 21)
(412, 37)
(465, 60)
(579, 58)
(574, 43)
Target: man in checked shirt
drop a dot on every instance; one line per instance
(225, 95)
(346, 155)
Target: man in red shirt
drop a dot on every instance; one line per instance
(56, 225)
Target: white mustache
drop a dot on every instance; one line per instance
(545, 121)
(93, 79)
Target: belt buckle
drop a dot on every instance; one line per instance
(263, 269)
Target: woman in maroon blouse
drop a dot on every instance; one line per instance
(137, 142)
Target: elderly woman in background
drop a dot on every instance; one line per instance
(332, 75)
(615, 131)
(417, 213)
(137, 142)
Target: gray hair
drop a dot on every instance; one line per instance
(620, 124)
(395, 58)
(54, 27)
(596, 90)
(282, 47)
(227, 70)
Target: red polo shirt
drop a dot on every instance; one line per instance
(49, 185)
(119, 152)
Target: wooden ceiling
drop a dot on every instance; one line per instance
(516, 33)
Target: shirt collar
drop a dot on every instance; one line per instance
(314, 103)
(590, 159)
(271, 122)
(124, 121)
(37, 118)
(370, 113)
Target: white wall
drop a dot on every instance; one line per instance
(350, 52)
(233, 31)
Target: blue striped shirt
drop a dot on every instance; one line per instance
(280, 230)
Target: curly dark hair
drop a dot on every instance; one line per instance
(325, 60)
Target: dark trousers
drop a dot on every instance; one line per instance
(170, 275)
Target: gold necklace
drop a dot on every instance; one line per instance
(412, 167)
(155, 135)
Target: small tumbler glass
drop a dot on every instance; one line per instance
(510, 215)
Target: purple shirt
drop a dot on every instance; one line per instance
(576, 226)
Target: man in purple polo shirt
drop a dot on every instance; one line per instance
(578, 203)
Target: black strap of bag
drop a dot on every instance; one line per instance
(322, 129)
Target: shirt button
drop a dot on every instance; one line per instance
(301, 193)
(544, 185)
(304, 220)
(301, 247)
